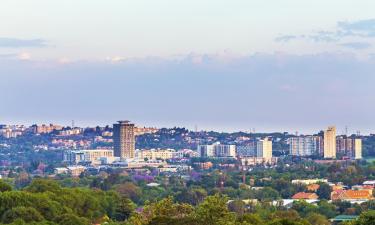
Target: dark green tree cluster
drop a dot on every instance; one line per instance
(46, 202)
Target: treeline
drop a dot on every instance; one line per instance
(46, 202)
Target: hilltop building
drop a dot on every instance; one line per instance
(124, 139)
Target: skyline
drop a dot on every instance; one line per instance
(218, 65)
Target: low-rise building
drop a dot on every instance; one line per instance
(92, 156)
(153, 154)
(352, 195)
(305, 195)
(309, 181)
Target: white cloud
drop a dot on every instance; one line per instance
(24, 56)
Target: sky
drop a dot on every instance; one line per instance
(225, 65)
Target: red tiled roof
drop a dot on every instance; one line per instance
(305, 195)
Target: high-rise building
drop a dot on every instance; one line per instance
(349, 147)
(358, 148)
(330, 142)
(124, 139)
(304, 145)
(206, 150)
(247, 150)
(264, 149)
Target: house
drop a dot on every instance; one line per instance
(352, 195)
(305, 195)
(370, 183)
(313, 187)
(343, 218)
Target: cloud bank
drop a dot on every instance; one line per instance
(6, 42)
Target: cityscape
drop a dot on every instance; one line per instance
(154, 156)
(187, 112)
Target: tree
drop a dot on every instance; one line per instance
(327, 209)
(124, 209)
(237, 206)
(4, 186)
(253, 219)
(27, 214)
(366, 218)
(317, 219)
(214, 211)
(43, 185)
(70, 219)
(129, 190)
(324, 191)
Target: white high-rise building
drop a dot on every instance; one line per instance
(206, 150)
(304, 145)
(330, 143)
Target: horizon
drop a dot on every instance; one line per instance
(341, 130)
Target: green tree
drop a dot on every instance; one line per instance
(366, 218)
(27, 214)
(124, 209)
(71, 219)
(214, 211)
(324, 191)
(317, 219)
(4, 186)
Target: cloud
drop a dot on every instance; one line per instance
(115, 59)
(286, 38)
(6, 42)
(356, 45)
(363, 28)
(24, 56)
(342, 30)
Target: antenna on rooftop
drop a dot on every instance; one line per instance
(346, 130)
(72, 123)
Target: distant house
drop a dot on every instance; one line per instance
(343, 218)
(352, 195)
(313, 187)
(369, 183)
(305, 195)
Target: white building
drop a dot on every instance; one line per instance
(217, 150)
(153, 154)
(94, 156)
(304, 145)
(206, 150)
(264, 149)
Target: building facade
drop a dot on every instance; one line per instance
(217, 150)
(92, 156)
(349, 147)
(124, 140)
(247, 150)
(330, 143)
(264, 149)
(305, 145)
(153, 154)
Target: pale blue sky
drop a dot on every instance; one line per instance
(254, 59)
